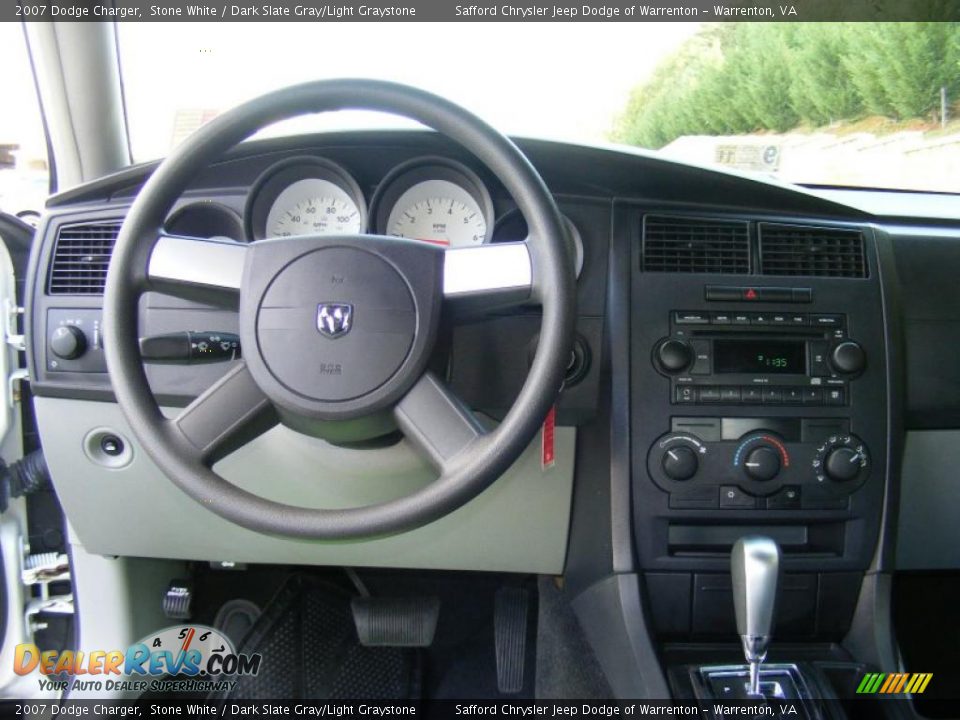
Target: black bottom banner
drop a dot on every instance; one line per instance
(42, 710)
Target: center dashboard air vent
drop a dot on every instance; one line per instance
(695, 245)
(812, 251)
(81, 256)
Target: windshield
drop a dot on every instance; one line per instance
(840, 104)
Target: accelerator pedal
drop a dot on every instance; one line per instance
(511, 610)
(396, 622)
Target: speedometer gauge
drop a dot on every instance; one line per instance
(440, 212)
(313, 207)
(305, 196)
(434, 200)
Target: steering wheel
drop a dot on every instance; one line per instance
(336, 331)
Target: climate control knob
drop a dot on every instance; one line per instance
(762, 463)
(674, 356)
(848, 358)
(680, 463)
(68, 342)
(842, 464)
(841, 458)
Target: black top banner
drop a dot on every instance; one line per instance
(478, 11)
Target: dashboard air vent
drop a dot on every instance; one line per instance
(817, 251)
(81, 256)
(695, 245)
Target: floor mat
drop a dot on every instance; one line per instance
(310, 651)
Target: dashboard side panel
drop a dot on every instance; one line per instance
(519, 524)
(929, 502)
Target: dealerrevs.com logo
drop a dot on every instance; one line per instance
(182, 658)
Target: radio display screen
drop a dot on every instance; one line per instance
(760, 357)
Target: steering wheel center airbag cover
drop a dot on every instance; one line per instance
(335, 322)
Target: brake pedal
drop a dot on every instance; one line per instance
(396, 622)
(511, 610)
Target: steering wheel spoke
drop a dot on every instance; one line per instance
(488, 277)
(197, 268)
(438, 424)
(232, 412)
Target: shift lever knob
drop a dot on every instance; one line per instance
(755, 566)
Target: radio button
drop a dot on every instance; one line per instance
(818, 359)
(741, 319)
(779, 319)
(721, 318)
(686, 394)
(797, 319)
(828, 321)
(709, 394)
(772, 396)
(812, 396)
(701, 358)
(760, 319)
(834, 396)
(730, 394)
(751, 394)
(691, 318)
(792, 396)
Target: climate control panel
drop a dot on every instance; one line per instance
(759, 463)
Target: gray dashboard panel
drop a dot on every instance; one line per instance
(927, 533)
(519, 524)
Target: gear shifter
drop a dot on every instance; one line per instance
(755, 565)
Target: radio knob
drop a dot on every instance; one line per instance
(848, 358)
(68, 342)
(674, 356)
(762, 463)
(680, 463)
(842, 464)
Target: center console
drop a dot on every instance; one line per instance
(758, 407)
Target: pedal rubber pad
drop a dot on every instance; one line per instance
(511, 610)
(395, 622)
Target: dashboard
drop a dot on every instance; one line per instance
(749, 357)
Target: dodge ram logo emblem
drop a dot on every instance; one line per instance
(334, 319)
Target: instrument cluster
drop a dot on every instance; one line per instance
(429, 199)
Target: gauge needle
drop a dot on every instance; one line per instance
(434, 242)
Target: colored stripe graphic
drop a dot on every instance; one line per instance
(901, 681)
(893, 683)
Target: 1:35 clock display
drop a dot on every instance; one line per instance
(760, 357)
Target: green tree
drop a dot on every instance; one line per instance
(744, 77)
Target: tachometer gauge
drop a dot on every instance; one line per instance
(434, 200)
(305, 196)
(437, 211)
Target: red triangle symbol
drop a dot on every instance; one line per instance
(751, 294)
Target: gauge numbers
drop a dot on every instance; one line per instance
(438, 212)
(313, 206)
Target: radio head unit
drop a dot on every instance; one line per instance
(758, 358)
